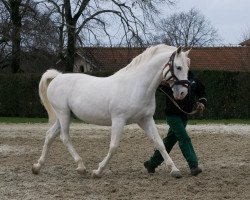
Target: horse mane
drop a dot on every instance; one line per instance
(147, 55)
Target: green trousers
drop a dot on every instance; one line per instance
(177, 132)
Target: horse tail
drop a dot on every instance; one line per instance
(47, 77)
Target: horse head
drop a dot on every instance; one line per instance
(175, 73)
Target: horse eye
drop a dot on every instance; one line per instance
(179, 68)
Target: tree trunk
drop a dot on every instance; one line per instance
(15, 35)
(71, 30)
(61, 43)
(70, 59)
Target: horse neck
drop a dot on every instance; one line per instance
(148, 74)
(154, 77)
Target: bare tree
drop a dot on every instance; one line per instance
(5, 38)
(24, 28)
(245, 34)
(87, 22)
(13, 7)
(39, 33)
(186, 29)
(55, 10)
(17, 10)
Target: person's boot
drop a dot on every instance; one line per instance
(195, 171)
(149, 168)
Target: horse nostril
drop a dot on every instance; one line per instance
(182, 93)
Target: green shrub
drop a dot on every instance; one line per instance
(19, 96)
(228, 94)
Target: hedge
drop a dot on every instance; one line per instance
(19, 96)
(228, 95)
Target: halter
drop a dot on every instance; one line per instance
(174, 102)
(170, 64)
(184, 83)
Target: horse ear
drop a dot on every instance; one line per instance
(188, 51)
(179, 50)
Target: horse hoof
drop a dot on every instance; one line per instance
(81, 171)
(35, 169)
(95, 174)
(176, 174)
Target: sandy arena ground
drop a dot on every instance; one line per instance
(223, 151)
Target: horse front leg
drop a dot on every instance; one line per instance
(148, 125)
(116, 132)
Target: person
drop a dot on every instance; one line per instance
(177, 121)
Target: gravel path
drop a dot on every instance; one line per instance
(223, 151)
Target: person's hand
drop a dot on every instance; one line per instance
(200, 107)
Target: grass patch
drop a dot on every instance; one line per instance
(212, 121)
(22, 120)
(28, 120)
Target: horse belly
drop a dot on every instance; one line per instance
(93, 119)
(92, 113)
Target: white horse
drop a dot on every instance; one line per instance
(126, 97)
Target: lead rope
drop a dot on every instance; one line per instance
(174, 102)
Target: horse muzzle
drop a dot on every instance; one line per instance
(179, 92)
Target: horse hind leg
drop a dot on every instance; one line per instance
(52, 133)
(65, 121)
(117, 129)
